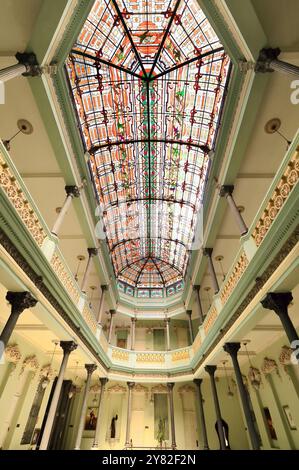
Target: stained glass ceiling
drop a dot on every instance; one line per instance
(148, 79)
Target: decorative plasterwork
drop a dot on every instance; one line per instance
(211, 317)
(159, 389)
(89, 318)
(254, 377)
(117, 389)
(69, 284)
(181, 355)
(285, 355)
(269, 366)
(234, 278)
(197, 343)
(138, 388)
(15, 194)
(46, 371)
(12, 353)
(120, 355)
(186, 389)
(30, 363)
(280, 195)
(95, 389)
(150, 357)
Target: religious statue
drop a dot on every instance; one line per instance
(112, 427)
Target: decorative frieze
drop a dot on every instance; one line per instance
(117, 389)
(150, 357)
(234, 277)
(181, 355)
(160, 388)
(120, 355)
(14, 192)
(138, 388)
(210, 319)
(279, 196)
(65, 278)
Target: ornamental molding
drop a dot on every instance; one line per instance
(285, 355)
(117, 389)
(283, 189)
(95, 389)
(159, 389)
(138, 388)
(181, 355)
(150, 357)
(46, 371)
(12, 353)
(14, 192)
(120, 355)
(186, 389)
(210, 320)
(269, 366)
(234, 277)
(31, 363)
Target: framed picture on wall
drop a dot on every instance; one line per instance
(91, 419)
(289, 417)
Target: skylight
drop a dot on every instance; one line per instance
(148, 80)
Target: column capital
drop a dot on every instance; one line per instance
(197, 382)
(277, 301)
(131, 385)
(90, 368)
(112, 312)
(196, 287)
(103, 381)
(20, 301)
(170, 386)
(189, 313)
(226, 190)
(207, 252)
(72, 191)
(133, 319)
(167, 320)
(266, 56)
(211, 370)
(68, 346)
(104, 288)
(29, 60)
(232, 348)
(92, 252)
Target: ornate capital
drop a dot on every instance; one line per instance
(20, 301)
(207, 252)
(196, 288)
(226, 190)
(131, 385)
(72, 191)
(104, 288)
(198, 382)
(211, 370)
(103, 381)
(68, 346)
(29, 60)
(112, 312)
(170, 386)
(90, 368)
(278, 302)
(232, 348)
(167, 320)
(92, 252)
(266, 56)
(189, 313)
(133, 319)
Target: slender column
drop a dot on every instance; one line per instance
(211, 371)
(27, 66)
(112, 313)
(90, 368)
(279, 302)
(227, 192)
(170, 386)
(189, 314)
(96, 440)
(133, 326)
(101, 306)
(167, 323)
(232, 349)
(68, 347)
(71, 192)
(201, 316)
(198, 382)
(128, 428)
(208, 253)
(19, 302)
(268, 62)
(91, 253)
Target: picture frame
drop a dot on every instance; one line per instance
(289, 417)
(91, 418)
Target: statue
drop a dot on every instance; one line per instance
(112, 426)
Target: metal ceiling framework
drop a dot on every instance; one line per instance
(148, 80)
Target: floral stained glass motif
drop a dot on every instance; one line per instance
(148, 79)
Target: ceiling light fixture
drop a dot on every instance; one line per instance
(207, 289)
(220, 258)
(273, 126)
(229, 391)
(80, 258)
(24, 126)
(45, 382)
(254, 374)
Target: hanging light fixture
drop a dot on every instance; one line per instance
(229, 391)
(207, 289)
(220, 258)
(80, 258)
(92, 288)
(273, 126)
(73, 386)
(45, 382)
(24, 126)
(254, 374)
